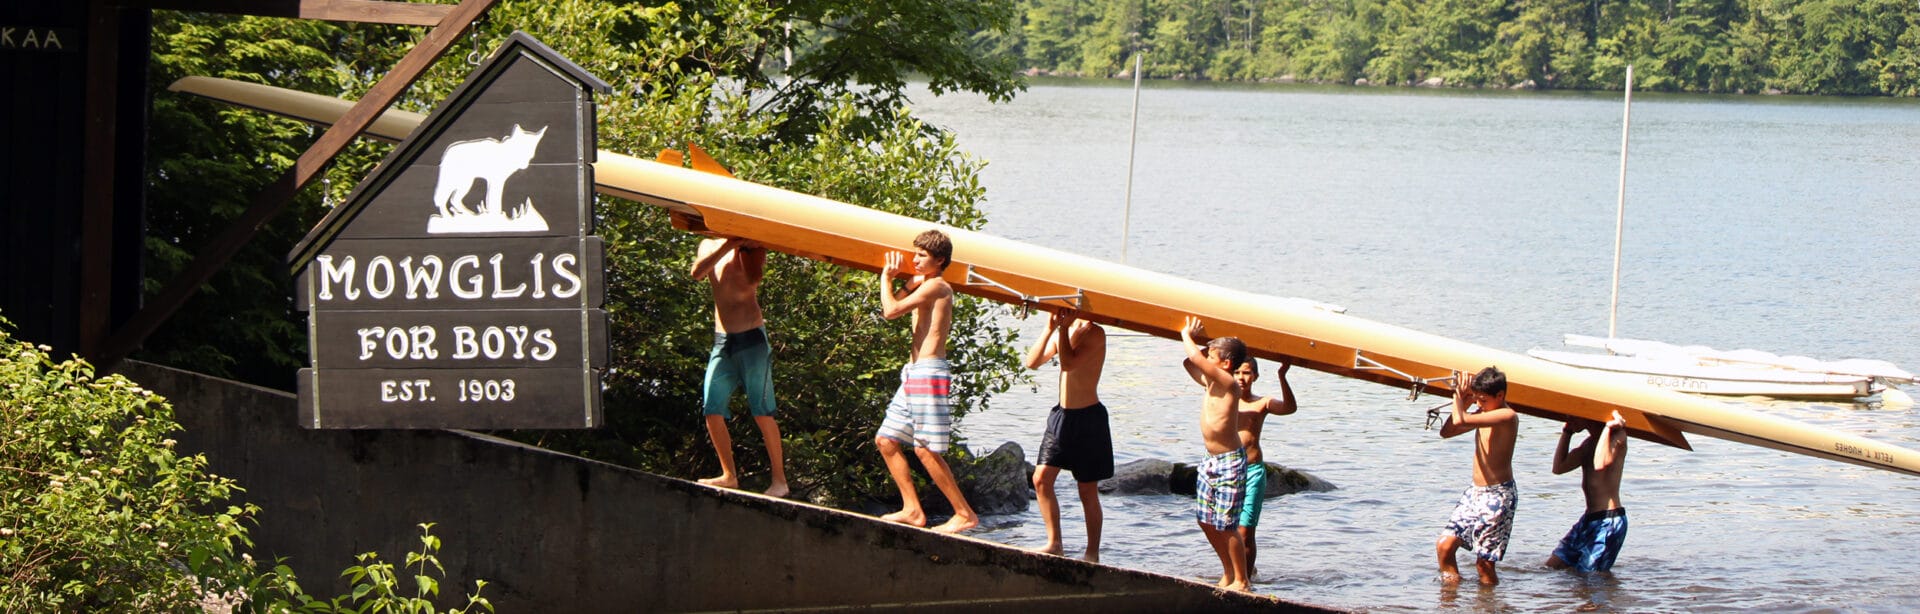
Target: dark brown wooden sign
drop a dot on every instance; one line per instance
(459, 286)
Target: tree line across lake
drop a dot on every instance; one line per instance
(1847, 47)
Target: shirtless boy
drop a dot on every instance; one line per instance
(1596, 539)
(1253, 411)
(1077, 438)
(1222, 476)
(1483, 520)
(741, 357)
(919, 417)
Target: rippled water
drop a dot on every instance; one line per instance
(1781, 224)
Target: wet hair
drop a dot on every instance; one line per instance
(1489, 381)
(1252, 363)
(1235, 351)
(937, 245)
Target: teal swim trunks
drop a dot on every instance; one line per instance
(1256, 493)
(739, 360)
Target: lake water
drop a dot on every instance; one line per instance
(1774, 223)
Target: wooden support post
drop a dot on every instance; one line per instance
(274, 198)
(97, 194)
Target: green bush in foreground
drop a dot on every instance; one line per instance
(97, 511)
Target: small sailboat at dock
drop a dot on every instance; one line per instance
(1704, 370)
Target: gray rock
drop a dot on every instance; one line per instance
(1147, 476)
(998, 483)
(1158, 477)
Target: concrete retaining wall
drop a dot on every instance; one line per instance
(557, 533)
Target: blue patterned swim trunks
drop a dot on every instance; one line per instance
(1484, 519)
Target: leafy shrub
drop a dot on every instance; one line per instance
(377, 587)
(97, 511)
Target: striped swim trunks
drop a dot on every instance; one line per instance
(919, 414)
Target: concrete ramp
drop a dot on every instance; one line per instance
(552, 532)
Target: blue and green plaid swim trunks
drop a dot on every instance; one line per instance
(1218, 489)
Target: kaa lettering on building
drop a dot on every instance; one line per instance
(460, 286)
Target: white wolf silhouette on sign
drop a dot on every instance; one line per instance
(493, 161)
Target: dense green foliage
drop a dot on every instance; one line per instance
(97, 511)
(702, 72)
(1796, 46)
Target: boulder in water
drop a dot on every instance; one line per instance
(1157, 477)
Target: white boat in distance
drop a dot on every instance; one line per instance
(1705, 370)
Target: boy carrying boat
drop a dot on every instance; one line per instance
(1483, 520)
(1595, 540)
(918, 416)
(740, 357)
(1252, 411)
(1219, 487)
(1078, 438)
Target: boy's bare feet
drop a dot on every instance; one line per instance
(1092, 555)
(1053, 549)
(725, 481)
(1237, 586)
(778, 490)
(957, 524)
(913, 518)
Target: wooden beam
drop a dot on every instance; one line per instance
(270, 201)
(363, 11)
(97, 195)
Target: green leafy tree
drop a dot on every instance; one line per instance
(97, 510)
(1107, 46)
(1049, 32)
(1806, 46)
(1545, 43)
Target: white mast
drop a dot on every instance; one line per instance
(1620, 213)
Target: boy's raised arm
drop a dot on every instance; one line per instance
(709, 252)
(893, 306)
(1202, 370)
(1044, 347)
(1286, 405)
(1564, 459)
(1461, 421)
(1610, 443)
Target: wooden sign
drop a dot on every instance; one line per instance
(460, 286)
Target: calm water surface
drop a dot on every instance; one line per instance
(1780, 224)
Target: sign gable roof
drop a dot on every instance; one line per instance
(496, 90)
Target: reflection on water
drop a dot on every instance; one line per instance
(1779, 224)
